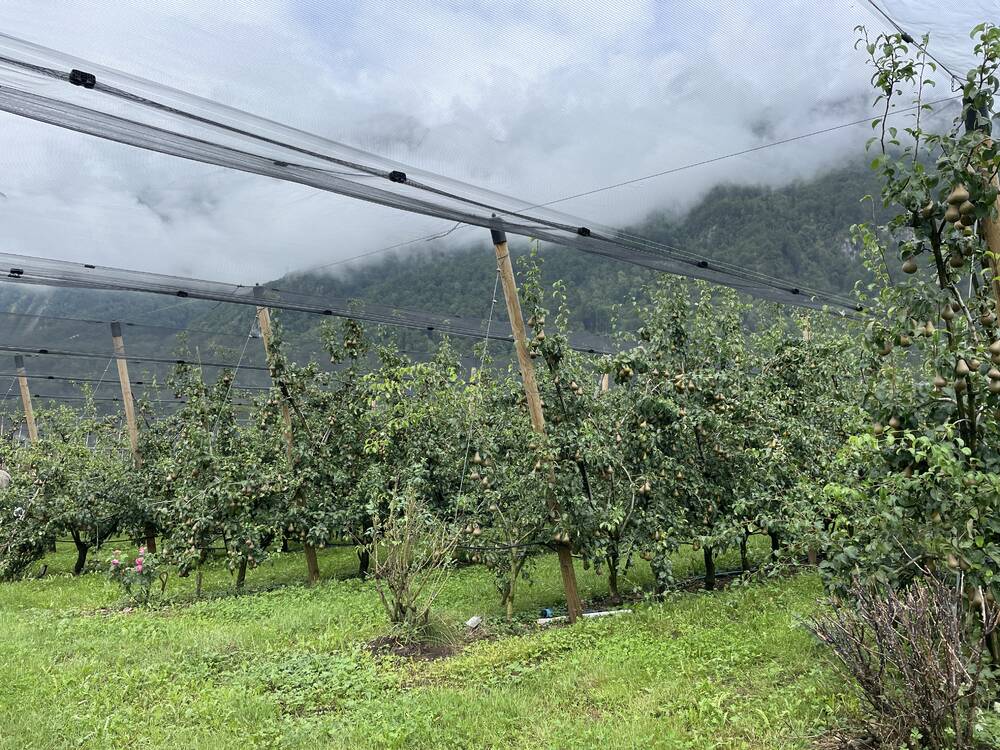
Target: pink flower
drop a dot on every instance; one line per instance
(142, 550)
(115, 562)
(138, 567)
(138, 560)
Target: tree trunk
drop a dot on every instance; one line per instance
(507, 599)
(312, 565)
(709, 568)
(52, 544)
(284, 543)
(364, 561)
(775, 544)
(241, 574)
(197, 583)
(744, 560)
(150, 531)
(81, 554)
(612, 560)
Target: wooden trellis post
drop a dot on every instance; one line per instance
(130, 422)
(29, 412)
(264, 323)
(989, 229)
(573, 603)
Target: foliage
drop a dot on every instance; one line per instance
(710, 431)
(217, 479)
(138, 576)
(73, 481)
(920, 491)
(506, 525)
(23, 531)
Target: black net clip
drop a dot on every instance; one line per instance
(16, 273)
(82, 78)
(583, 232)
(496, 230)
(397, 176)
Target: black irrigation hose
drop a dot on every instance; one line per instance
(718, 574)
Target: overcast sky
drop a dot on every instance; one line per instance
(539, 100)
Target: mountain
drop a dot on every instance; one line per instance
(798, 232)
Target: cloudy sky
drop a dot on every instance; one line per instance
(539, 99)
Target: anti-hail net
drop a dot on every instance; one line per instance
(54, 88)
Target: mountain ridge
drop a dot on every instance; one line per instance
(798, 232)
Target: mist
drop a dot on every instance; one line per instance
(539, 100)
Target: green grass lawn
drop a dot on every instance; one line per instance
(285, 666)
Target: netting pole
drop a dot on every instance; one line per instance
(989, 228)
(264, 322)
(29, 412)
(813, 551)
(133, 428)
(573, 603)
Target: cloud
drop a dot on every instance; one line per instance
(539, 99)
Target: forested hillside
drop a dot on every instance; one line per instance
(799, 231)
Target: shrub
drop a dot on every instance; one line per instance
(411, 551)
(918, 663)
(137, 577)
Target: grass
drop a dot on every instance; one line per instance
(285, 666)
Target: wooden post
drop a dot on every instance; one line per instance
(264, 323)
(29, 416)
(573, 603)
(989, 229)
(29, 412)
(130, 422)
(129, 404)
(812, 553)
(605, 382)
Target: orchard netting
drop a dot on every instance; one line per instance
(751, 99)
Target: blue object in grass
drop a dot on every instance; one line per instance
(546, 612)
